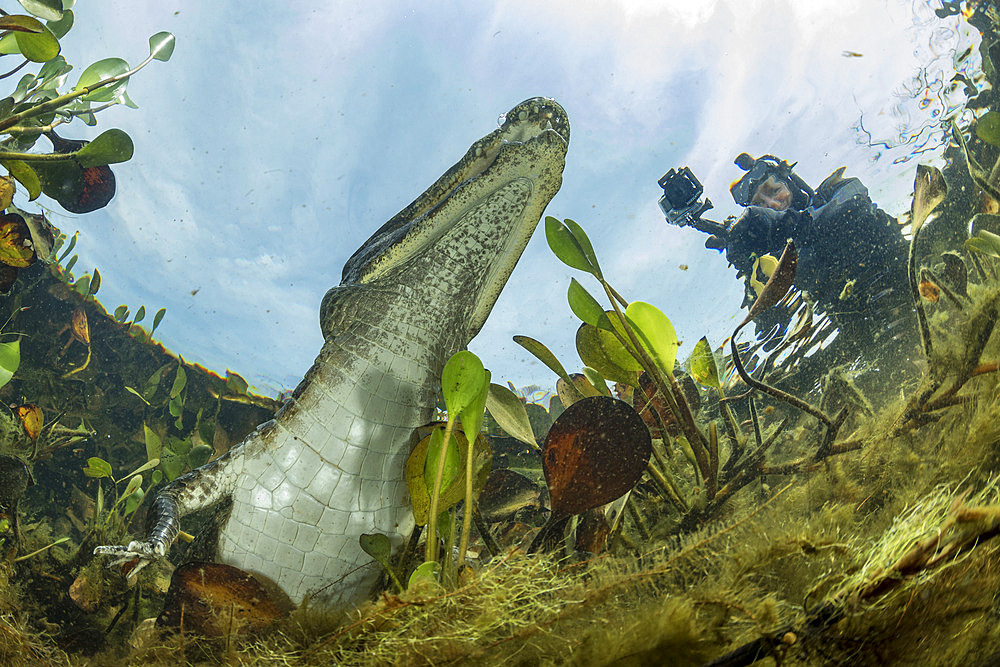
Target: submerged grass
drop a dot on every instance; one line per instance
(881, 554)
(826, 541)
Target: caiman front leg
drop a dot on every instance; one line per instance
(193, 491)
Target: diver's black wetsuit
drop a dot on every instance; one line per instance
(852, 263)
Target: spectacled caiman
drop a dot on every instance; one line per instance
(328, 468)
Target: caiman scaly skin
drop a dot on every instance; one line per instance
(329, 467)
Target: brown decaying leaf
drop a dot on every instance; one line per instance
(80, 328)
(16, 248)
(6, 191)
(929, 290)
(217, 600)
(32, 419)
(778, 284)
(647, 400)
(929, 189)
(595, 452)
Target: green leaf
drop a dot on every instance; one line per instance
(10, 359)
(97, 467)
(109, 147)
(161, 46)
(988, 128)
(37, 47)
(985, 242)
(139, 314)
(378, 547)
(180, 381)
(95, 282)
(461, 381)
(60, 27)
(421, 466)
(509, 412)
(132, 502)
(69, 248)
(132, 390)
(50, 10)
(702, 364)
(597, 380)
(591, 344)
(172, 464)
(99, 71)
(148, 465)
(8, 45)
(199, 456)
(154, 446)
(71, 263)
(133, 486)
(21, 23)
(472, 414)
(82, 286)
(157, 319)
(543, 354)
(54, 68)
(26, 82)
(569, 243)
(121, 312)
(175, 406)
(655, 333)
(24, 175)
(235, 383)
(426, 572)
(585, 306)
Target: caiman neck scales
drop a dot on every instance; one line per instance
(329, 467)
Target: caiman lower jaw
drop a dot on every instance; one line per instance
(416, 226)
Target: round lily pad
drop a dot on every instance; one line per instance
(595, 452)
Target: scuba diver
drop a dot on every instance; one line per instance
(851, 254)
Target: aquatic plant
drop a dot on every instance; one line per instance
(110, 515)
(435, 467)
(74, 173)
(595, 453)
(634, 344)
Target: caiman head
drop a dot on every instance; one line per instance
(441, 262)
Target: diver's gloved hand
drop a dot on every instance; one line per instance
(137, 554)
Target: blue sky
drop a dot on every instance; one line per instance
(281, 135)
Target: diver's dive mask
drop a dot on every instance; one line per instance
(759, 170)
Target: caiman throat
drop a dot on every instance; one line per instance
(329, 467)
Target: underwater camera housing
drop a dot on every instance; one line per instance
(682, 205)
(681, 194)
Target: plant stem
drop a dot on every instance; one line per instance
(431, 551)
(911, 273)
(773, 391)
(56, 102)
(675, 399)
(463, 544)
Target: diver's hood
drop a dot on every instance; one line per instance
(758, 170)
